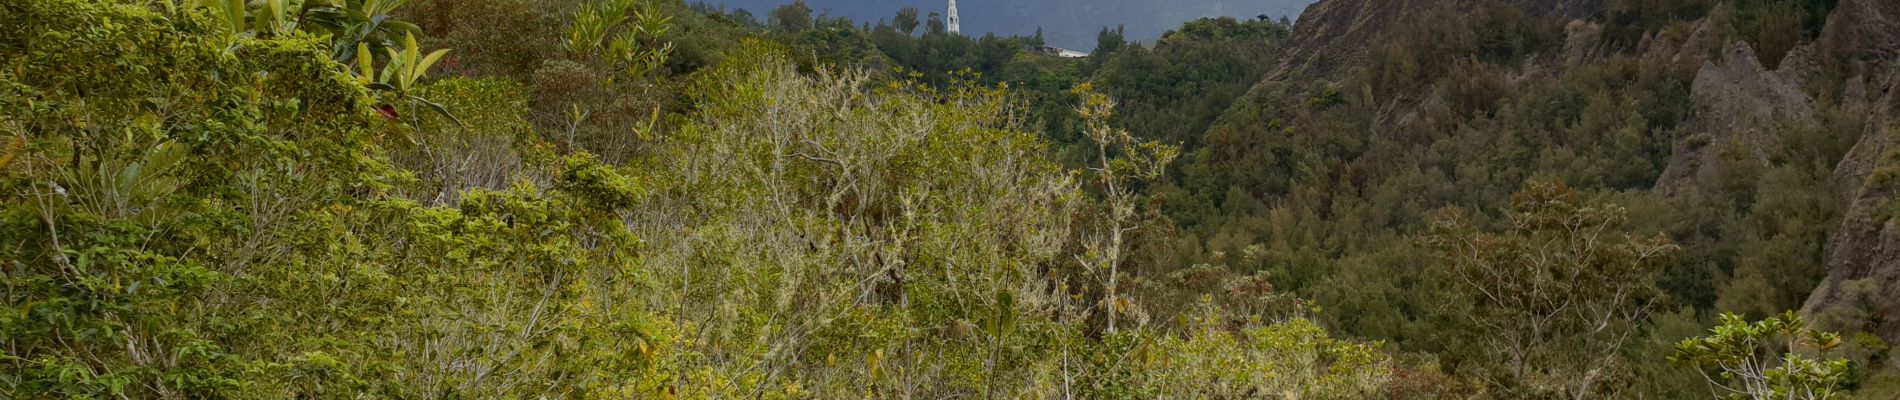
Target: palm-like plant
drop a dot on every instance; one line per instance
(626, 32)
(358, 29)
(348, 23)
(405, 68)
(366, 22)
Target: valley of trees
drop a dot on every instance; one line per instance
(1419, 199)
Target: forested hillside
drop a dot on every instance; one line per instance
(1067, 23)
(1470, 199)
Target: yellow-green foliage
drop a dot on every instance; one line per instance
(199, 215)
(154, 148)
(1217, 357)
(1765, 359)
(193, 214)
(492, 147)
(1555, 295)
(837, 239)
(1292, 359)
(819, 221)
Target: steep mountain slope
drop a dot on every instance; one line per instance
(1737, 108)
(1866, 29)
(1731, 132)
(1737, 105)
(1864, 260)
(1333, 34)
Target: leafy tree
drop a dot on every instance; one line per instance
(993, 53)
(744, 17)
(1122, 162)
(793, 17)
(348, 24)
(606, 86)
(1107, 43)
(835, 43)
(628, 34)
(935, 26)
(506, 38)
(1416, 53)
(401, 76)
(900, 47)
(494, 134)
(1174, 92)
(1292, 358)
(1763, 361)
(356, 32)
(1558, 294)
(906, 20)
(149, 147)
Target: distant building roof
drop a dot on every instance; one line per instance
(1060, 52)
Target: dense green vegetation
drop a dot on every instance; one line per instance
(650, 199)
(1335, 180)
(203, 209)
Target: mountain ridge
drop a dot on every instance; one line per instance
(1735, 102)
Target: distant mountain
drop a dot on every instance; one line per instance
(1066, 23)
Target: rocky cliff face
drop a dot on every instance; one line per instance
(1332, 34)
(1863, 280)
(1738, 106)
(1332, 37)
(1862, 289)
(1868, 33)
(1865, 29)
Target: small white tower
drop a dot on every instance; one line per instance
(956, 24)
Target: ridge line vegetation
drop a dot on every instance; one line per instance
(654, 199)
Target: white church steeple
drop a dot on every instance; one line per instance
(956, 24)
